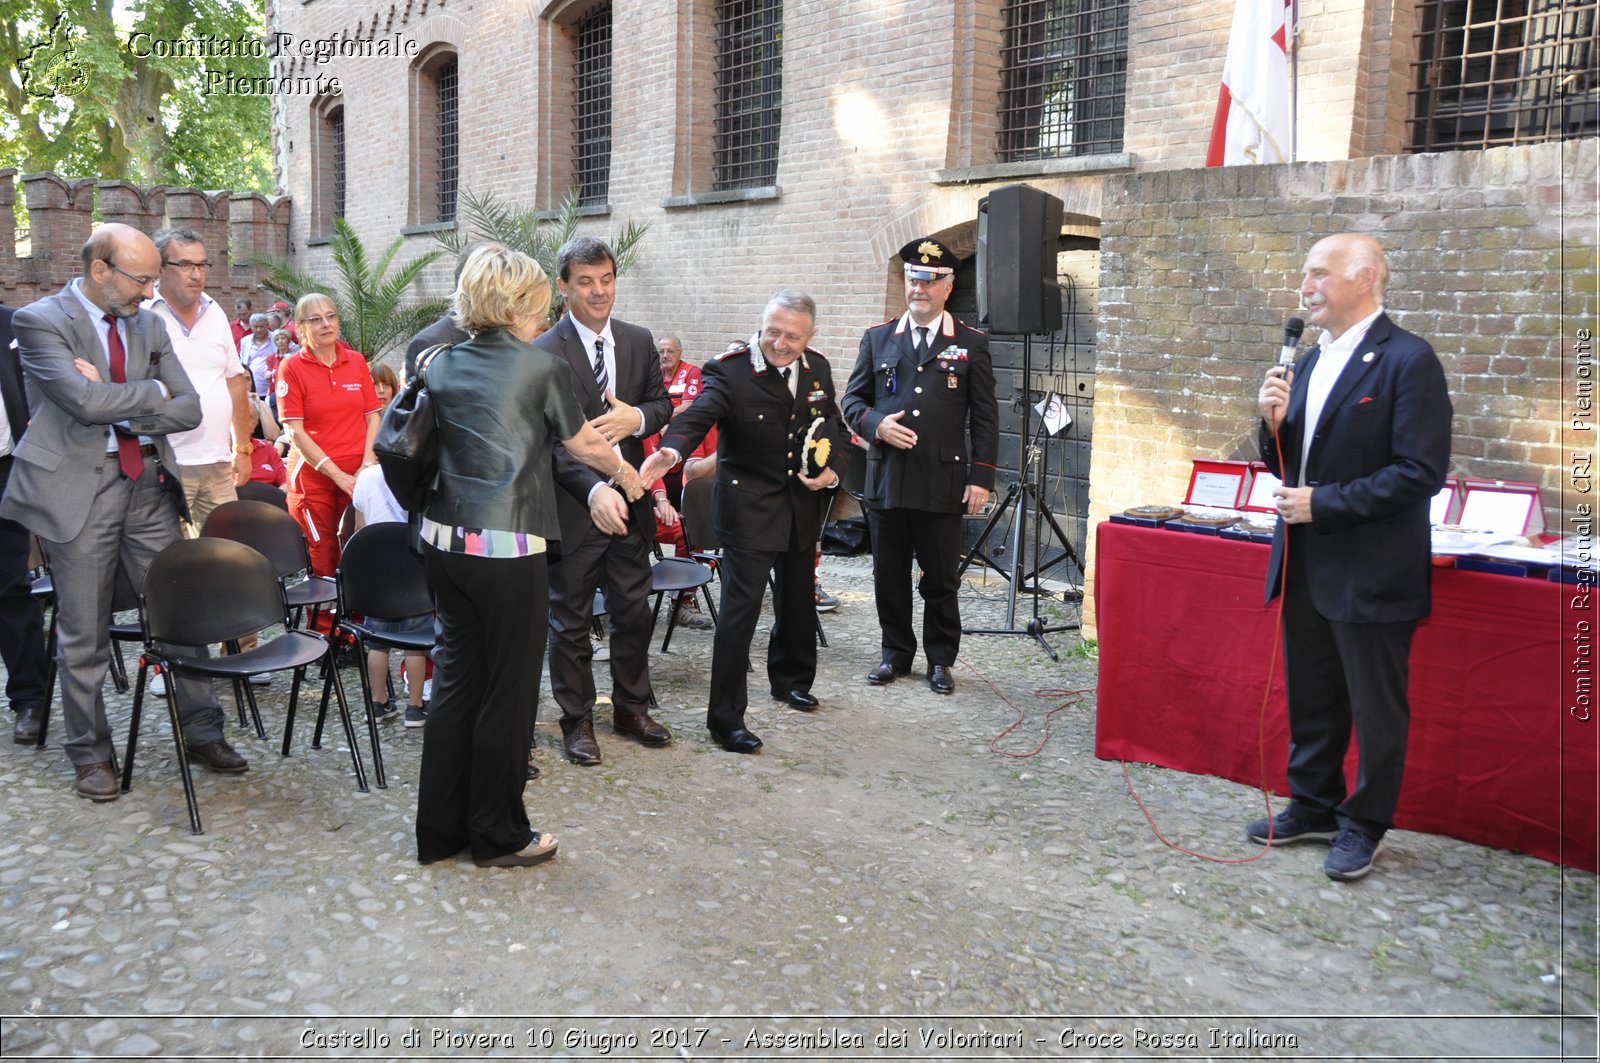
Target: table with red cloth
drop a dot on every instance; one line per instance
(1496, 756)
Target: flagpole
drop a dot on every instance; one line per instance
(1294, 81)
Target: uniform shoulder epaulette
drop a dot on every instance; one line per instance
(741, 351)
(812, 352)
(891, 321)
(970, 328)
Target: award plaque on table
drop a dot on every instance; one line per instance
(1503, 506)
(1147, 516)
(1262, 483)
(1218, 484)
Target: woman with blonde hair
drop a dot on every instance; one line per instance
(329, 408)
(502, 405)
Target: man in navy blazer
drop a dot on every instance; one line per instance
(605, 540)
(1359, 432)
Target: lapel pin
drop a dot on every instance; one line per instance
(1369, 356)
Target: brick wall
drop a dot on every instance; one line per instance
(1492, 256)
(237, 227)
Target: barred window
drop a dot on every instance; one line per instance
(749, 93)
(1063, 71)
(591, 119)
(1493, 72)
(449, 139)
(336, 136)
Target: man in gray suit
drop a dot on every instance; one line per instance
(106, 390)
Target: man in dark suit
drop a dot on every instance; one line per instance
(1359, 432)
(605, 541)
(922, 395)
(21, 619)
(763, 397)
(445, 329)
(106, 390)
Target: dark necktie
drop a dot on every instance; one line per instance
(784, 373)
(922, 337)
(601, 377)
(129, 460)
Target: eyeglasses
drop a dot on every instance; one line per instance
(143, 282)
(318, 322)
(189, 267)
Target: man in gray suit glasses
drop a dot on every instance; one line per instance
(106, 390)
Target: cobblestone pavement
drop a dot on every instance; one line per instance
(884, 880)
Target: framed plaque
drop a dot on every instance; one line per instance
(1503, 506)
(1217, 484)
(1262, 484)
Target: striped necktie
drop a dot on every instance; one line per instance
(601, 377)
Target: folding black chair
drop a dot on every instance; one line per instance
(276, 535)
(256, 491)
(380, 577)
(200, 591)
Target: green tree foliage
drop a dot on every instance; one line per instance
(373, 313)
(87, 95)
(485, 217)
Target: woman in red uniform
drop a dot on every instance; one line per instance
(329, 408)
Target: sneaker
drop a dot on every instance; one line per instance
(384, 711)
(689, 616)
(416, 715)
(157, 687)
(602, 651)
(1351, 856)
(826, 603)
(1288, 828)
(261, 679)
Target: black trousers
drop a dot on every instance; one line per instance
(1339, 676)
(491, 626)
(620, 564)
(933, 540)
(792, 647)
(21, 619)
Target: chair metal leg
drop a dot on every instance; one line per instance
(50, 677)
(711, 606)
(119, 670)
(372, 724)
(349, 726)
(177, 740)
(294, 703)
(133, 724)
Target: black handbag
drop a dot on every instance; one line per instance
(407, 446)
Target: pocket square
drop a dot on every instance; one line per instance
(1364, 399)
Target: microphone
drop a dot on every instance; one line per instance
(1292, 330)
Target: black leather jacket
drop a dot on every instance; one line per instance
(502, 404)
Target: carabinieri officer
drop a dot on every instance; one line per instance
(922, 396)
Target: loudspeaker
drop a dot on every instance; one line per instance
(1019, 229)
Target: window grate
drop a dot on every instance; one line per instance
(1495, 72)
(1063, 77)
(449, 139)
(336, 138)
(591, 120)
(749, 93)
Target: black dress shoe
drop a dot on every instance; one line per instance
(533, 771)
(579, 744)
(29, 720)
(96, 781)
(220, 757)
(737, 740)
(940, 679)
(642, 727)
(884, 674)
(797, 699)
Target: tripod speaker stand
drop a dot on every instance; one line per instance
(1027, 496)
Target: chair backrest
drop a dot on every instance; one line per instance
(264, 527)
(697, 514)
(380, 575)
(199, 591)
(256, 491)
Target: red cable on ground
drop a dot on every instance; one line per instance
(1075, 696)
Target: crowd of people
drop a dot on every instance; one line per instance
(565, 448)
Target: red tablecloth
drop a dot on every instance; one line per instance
(1495, 754)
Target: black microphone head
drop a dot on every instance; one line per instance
(1292, 330)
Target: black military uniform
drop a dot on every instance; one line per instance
(944, 386)
(767, 520)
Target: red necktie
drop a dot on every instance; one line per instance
(129, 460)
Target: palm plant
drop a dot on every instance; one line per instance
(374, 314)
(486, 217)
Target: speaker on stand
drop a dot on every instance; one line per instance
(1019, 230)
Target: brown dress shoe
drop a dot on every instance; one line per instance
(220, 757)
(97, 781)
(642, 727)
(29, 720)
(579, 743)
